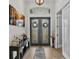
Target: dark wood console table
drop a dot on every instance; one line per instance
(12, 49)
(18, 49)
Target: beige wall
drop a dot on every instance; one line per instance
(18, 4)
(59, 4)
(15, 30)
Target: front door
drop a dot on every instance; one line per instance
(40, 30)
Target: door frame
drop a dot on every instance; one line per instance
(58, 26)
(31, 29)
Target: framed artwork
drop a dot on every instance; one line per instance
(15, 17)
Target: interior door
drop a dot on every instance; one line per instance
(59, 30)
(40, 30)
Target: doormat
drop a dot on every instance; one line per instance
(39, 53)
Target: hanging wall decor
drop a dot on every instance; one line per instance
(15, 17)
(34, 24)
(45, 25)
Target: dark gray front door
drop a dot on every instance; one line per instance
(40, 30)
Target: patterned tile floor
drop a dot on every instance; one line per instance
(50, 53)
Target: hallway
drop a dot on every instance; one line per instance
(50, 53)
(39, 22)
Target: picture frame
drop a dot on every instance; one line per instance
(15, 16)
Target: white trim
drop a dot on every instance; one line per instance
(65, 55)
(60, 46)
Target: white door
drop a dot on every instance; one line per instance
(66, 30)
(59, 30)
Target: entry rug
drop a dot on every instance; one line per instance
(39, 53)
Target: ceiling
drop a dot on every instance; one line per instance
(34, 0)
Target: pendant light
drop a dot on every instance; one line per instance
(39, 2)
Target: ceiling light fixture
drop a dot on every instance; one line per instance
(39, 2)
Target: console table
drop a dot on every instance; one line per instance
(12, 49)
(20, 49)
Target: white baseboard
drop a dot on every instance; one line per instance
(65, 55)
